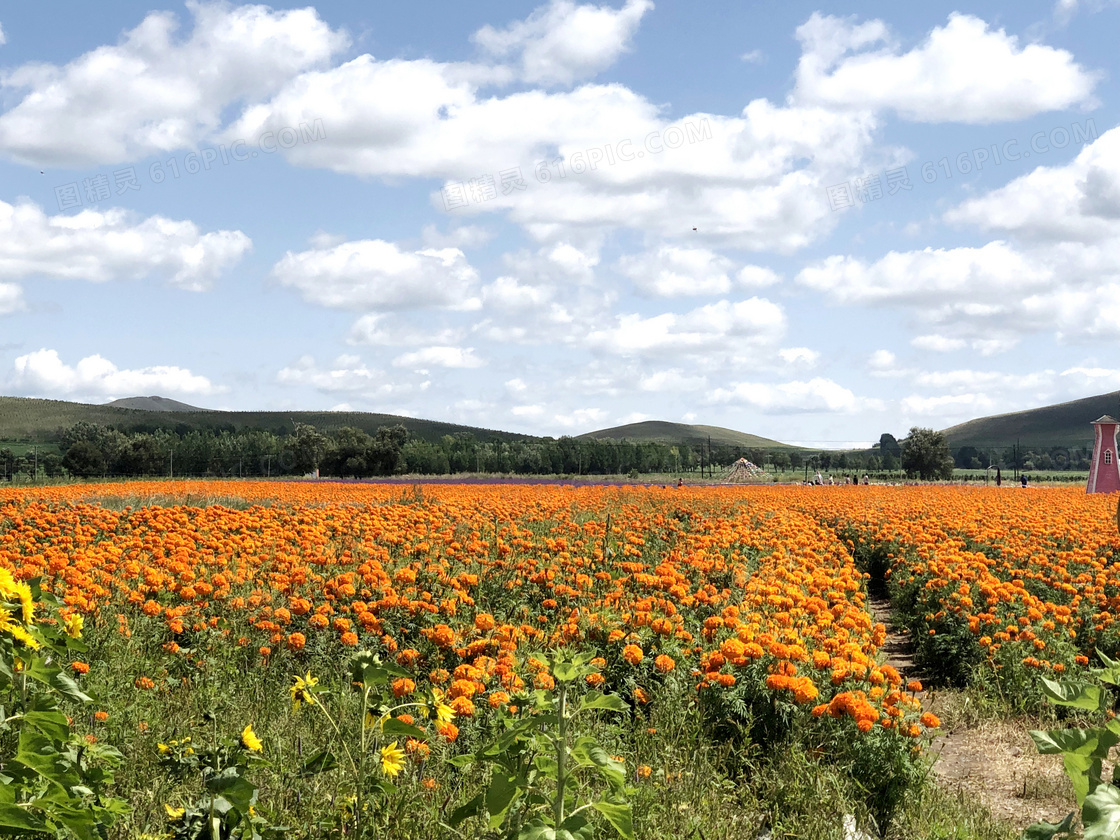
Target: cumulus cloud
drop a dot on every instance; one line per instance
(562, 42)
(111, 245)
(719, 326)
(155, 92)
(800, 356)
(1078, 202)
(347, 374)
(673, 271)
(445, 357)
(372, 274)
(930, 276)
(815, 395)
(963, 72)
(44, 373)
(393, 331)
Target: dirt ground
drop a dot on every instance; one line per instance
(993, 761)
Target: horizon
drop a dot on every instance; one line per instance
(566, 217)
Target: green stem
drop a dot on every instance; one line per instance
(561, 756)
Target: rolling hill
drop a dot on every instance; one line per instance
(33, 420)
(153, 404)
(1067, 424)
(661, 431)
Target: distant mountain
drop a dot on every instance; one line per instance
(661, 431)
(1066, 424)
(33, 420)
(153, 404)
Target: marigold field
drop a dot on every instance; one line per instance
(738, 615)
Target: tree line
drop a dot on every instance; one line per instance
(92, 450)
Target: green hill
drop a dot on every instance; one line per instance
(24, 419)
(153, 404)
(1067, 424)
(661, 431)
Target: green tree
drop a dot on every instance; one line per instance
(925, 454)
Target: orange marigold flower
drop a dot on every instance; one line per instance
(632, 654)
(79, 667)
(930, 720)
(296, 641)
(403, 686)
(644, 771)
(914, 685)
(349, 638)
(664, 663)
(101, 717)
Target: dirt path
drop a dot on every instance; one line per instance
(992, 761)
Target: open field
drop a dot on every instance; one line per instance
(729, 666)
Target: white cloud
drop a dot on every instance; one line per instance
(347, 374)
(11, 298)
(1077, 202)
(153, 92)
(938, 343)
(392, 331)
(719, 326)
(44, 373)
(931, 276)
(110, 245)
(3, 38)
(757, 276)
(672, 381)
(461, 236)
(963, 72)
(672, 271)
(509, 294)
(447, 357)
(882, 360)
(562, 42)
(814, 395)
(372, 274)
(753, 57)
(801, 356)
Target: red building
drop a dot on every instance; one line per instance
(1104, 473)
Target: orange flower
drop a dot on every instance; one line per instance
(296, 641)
(632, 654)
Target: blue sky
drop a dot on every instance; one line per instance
(812, 223)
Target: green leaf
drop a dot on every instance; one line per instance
(467, 809)
(1046, 831)
(13, 816)
(597, 700)
(499, 797)
(461, 761)
(396, 726)
(576, 827)
(1076, 694)
(1084, 773)
(1101, 813)
(1110, 673)
(231, 784)
(537, 831)
(618, 816)
(587, 753)
(321, 762)
(51, 724)
(565, 672)
(58, 680)
(1092, 742)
